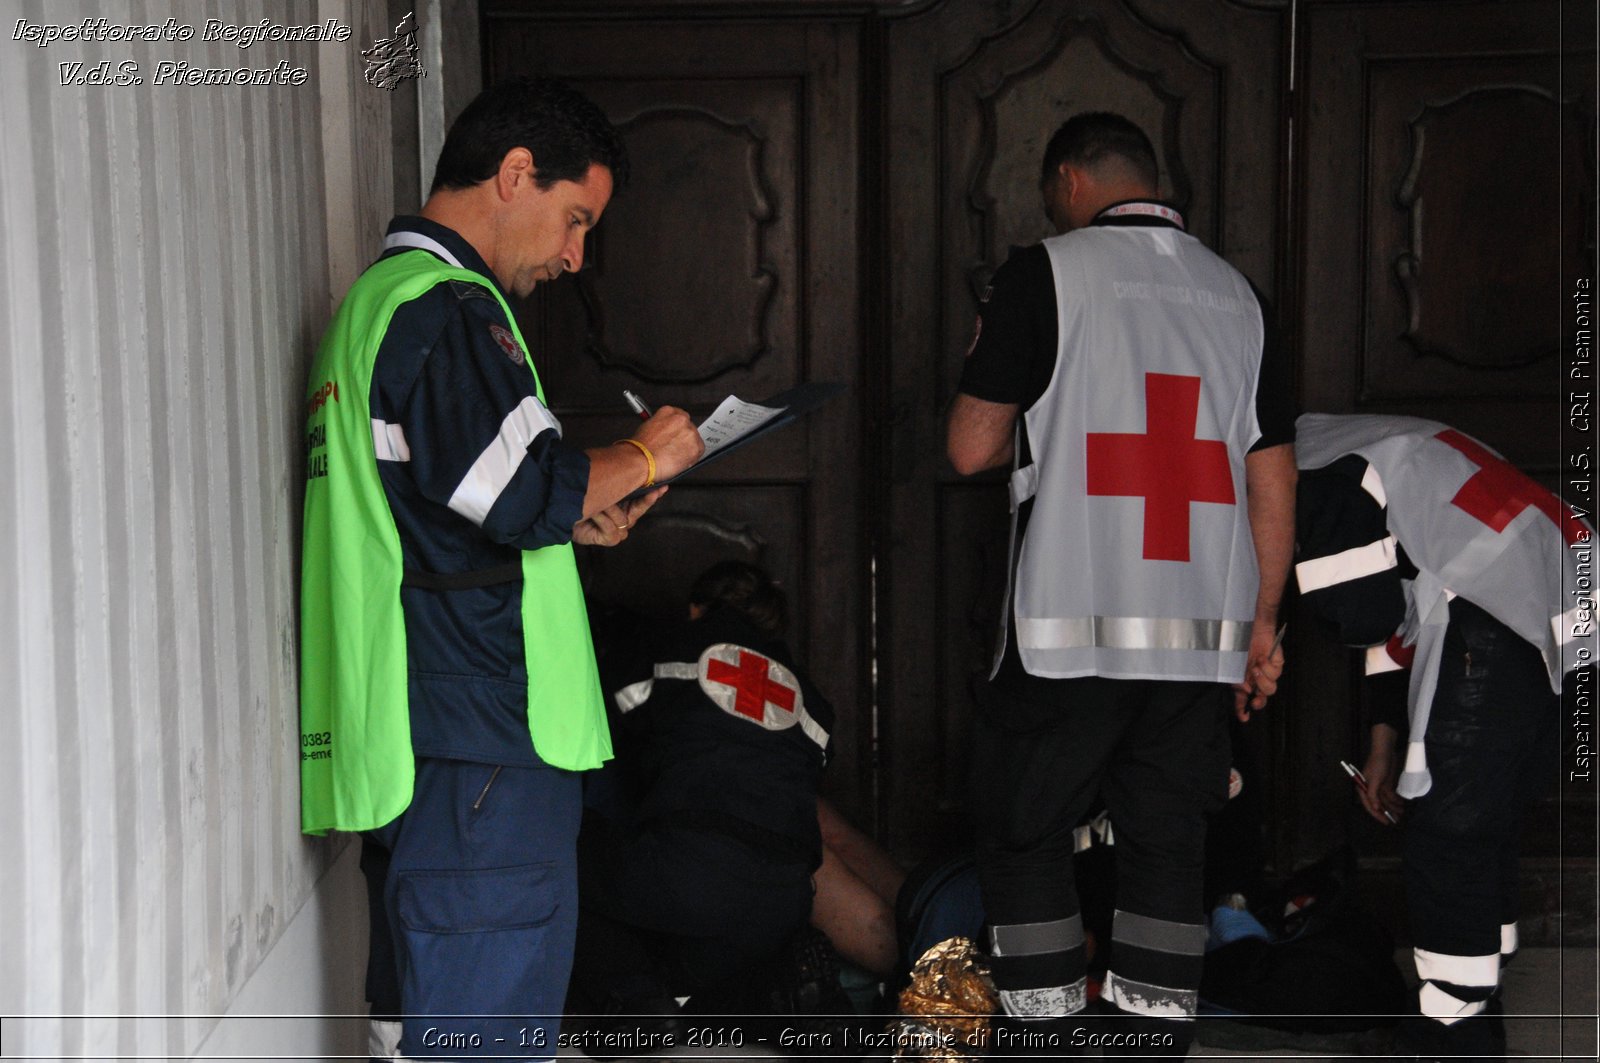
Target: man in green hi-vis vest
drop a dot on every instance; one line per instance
(449, 698)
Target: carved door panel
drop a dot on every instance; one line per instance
(1447, 204)
(974, 92)
(729, 264)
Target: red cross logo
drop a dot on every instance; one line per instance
(754, 688)
(1167, 465)
(1498, 492)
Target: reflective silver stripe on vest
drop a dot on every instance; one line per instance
(1133, 633)
(1036, 939)
(1142, 998)
(427, 243)
(1159, 935)
(389, 442)
(1052, 1002)
(480, 489)
(1346, 565)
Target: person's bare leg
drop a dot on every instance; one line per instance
(858, 922)
(865, 858)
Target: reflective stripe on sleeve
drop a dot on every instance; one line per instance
(1346, 565)
(1034, 939)
(1133, 633)
(1372, 484)
(1508, 939)
(489, 475)
(389, 441)
(1379, 661)
(1024, 484)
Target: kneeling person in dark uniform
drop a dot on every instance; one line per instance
(700, 839)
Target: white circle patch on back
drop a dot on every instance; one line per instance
(751, 686)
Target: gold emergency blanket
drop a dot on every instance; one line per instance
(947, 1005)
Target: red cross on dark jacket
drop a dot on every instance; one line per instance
(754, 687)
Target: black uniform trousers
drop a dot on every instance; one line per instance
(1492, 743)
(1157, 753)
(669, 912)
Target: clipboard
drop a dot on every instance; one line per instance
(736, 422)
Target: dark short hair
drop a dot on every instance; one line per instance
(1087, 139)
(745, 588)
(562, 128)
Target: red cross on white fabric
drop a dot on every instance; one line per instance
(753, 686)
(1498, 492)
(1167, 465)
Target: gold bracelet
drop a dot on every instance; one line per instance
(650, 460)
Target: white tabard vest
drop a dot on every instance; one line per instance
(1137, 562)
(1475, 527)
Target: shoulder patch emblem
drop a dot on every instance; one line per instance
(751, 686)
(508, 343)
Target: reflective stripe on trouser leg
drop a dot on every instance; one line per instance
(1038, 968)
(1157, 965)
(383, 1039)
(1455, 987)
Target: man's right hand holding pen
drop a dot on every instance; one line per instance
(663, 446)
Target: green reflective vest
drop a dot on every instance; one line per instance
(356, 764)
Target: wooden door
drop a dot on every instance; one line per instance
(973, 93)
(730, 264)
(1446, 204)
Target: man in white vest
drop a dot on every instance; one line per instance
(1128, 376)
(1421, 543)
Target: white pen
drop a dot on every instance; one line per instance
(637, 404)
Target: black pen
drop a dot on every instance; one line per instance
(637, 403)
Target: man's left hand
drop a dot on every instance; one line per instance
(611, 525)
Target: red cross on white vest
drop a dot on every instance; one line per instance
(1498, 492)
(1167, 465)
(754, 687)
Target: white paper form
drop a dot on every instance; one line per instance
(732, 421)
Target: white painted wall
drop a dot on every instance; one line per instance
(168, 259)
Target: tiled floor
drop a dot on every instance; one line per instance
(1550, 1001)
